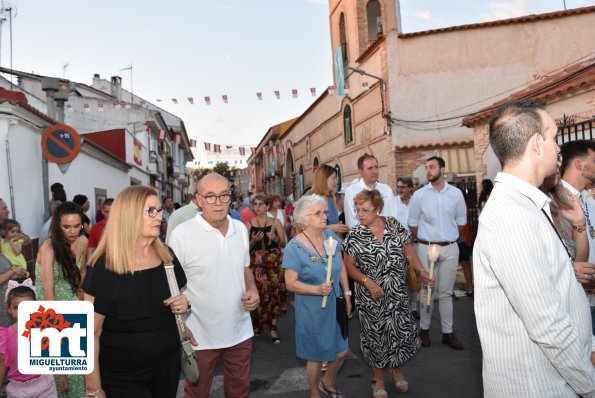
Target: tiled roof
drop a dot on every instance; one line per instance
(436, 144)
(523, 19)
(19, 99)
(575, 76)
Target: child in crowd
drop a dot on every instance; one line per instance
(20, 385)
(11, 244)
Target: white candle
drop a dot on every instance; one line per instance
(330, 245)
(433, 253)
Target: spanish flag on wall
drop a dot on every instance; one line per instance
(138, 152)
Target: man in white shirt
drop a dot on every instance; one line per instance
(179, 216)
(578, 170)
(532, 314)
(437, 213)
(401, 201)
(368, 171)
(214, 252)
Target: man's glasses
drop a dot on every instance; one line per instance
(210, 199)
(363, 210)
(319, 213)
(153, 211)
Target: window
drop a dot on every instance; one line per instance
(343, 41)
(301, 180)
(338, 176)
(374, 20)
(347, 129)
(316, 164)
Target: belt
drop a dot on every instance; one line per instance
(425, 242)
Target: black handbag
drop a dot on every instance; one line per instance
(342, 318)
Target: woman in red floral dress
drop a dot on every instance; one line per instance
(267, 237)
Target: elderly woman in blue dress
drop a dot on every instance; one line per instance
(319, 338)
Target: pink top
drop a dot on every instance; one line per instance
(9, 349)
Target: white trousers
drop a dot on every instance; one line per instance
(445, 272)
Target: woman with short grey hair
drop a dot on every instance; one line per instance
(318, 335)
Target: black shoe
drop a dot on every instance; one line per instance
(424, 336)
(452, 341)
(275, 340)
(415, 314)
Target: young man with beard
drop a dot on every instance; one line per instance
(532, 314)
(437, 213)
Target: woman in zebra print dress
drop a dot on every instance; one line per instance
(375, 257)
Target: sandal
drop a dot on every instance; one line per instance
(329, 393)
(378, 392)
(276, 339)
(401, 384)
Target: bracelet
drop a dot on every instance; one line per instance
(364, 281)
(93, 394)
(348, 293)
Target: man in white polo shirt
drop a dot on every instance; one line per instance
(368, 170)
(214, 252)
(437, 213)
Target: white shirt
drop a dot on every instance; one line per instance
(280, 216)
(179, 216)
(351, 218)
(401, 211)
(437, 214)
(585, 200)
(532, 315)
(214, 265)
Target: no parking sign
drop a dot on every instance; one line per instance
(60, 143)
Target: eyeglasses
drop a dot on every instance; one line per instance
(210, 199)
(319, 213)
(153, 211)
(364, 210)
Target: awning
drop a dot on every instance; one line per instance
(458, 160)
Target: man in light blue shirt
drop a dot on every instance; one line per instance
(437, 213)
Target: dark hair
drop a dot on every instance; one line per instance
(264, 198)
(108, 202)
(486, 189)
(80, 199)
(373, 195)
(19, 291)
(406, 180)
(62, 253)
(511, 128)
(364, 157)
(441, 162)
(574, 149)
(56, 187)
(176, 205)
(8, 224)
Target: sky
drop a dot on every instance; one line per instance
(198, 48)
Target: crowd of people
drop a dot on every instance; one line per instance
(339, 253)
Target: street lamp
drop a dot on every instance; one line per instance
(364, 73)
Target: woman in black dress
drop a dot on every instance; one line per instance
(137, 346)
(376, 253)
(267, 237)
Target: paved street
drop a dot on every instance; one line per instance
(437, 371)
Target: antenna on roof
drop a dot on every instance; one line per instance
(11, 10)
(131, 87)
(64, 66)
